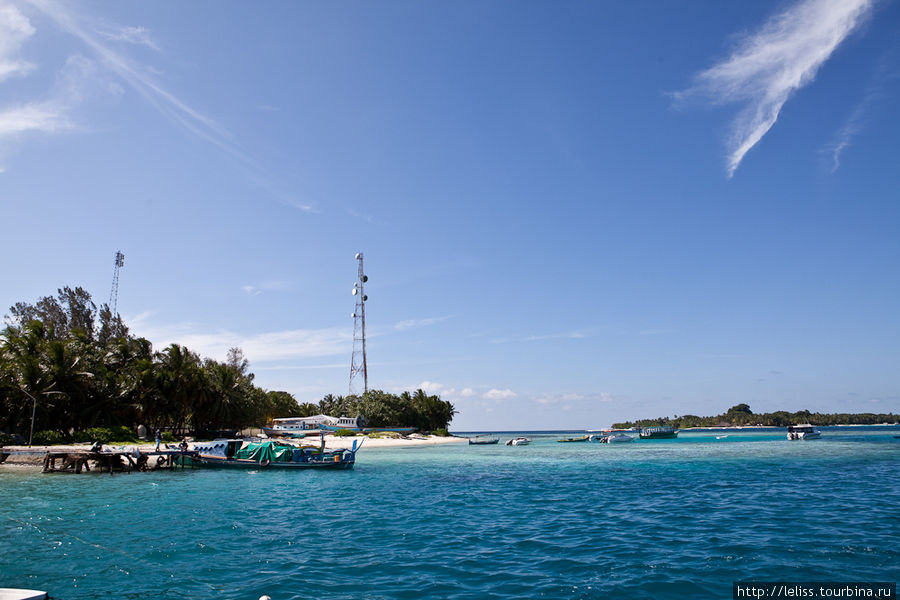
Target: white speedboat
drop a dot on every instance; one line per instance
(618, 438)
(17, 594)
(803, 432)
(519, 441)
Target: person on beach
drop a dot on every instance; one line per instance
(158, 439)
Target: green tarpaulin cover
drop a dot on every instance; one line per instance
(270, 451)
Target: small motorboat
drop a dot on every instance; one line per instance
(599, 437)
(803, 432)
(659, 433)
(483, 440)
(519, 441)
(17, 594)
(618, 438)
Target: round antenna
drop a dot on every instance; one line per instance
(355, 291)
(365, 278)
(357, 256)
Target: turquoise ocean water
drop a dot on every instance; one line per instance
(654, 519)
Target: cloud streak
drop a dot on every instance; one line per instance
(15, 29)
(294, 344)
(873, 95)
(767, 67)
(411, 323)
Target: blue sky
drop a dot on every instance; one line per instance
(572, 214)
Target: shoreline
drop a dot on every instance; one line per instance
(23, 457)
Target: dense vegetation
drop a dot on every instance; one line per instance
(742, 415)
(79, 368)
(381, 409)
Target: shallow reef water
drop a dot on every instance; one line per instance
(677, 518)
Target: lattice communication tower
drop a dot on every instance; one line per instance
(358, 369)
(114, 292)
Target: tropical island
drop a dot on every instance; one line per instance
(74, 373)
(740, 415)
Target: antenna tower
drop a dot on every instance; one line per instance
(114, 293)
(358, 361)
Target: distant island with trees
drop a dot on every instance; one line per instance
(87, 378)
(741, 415)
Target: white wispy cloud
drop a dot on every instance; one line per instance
(15, 29)
(410, 323)
(874, 94)
(139, 78)
(105, 41)
(768, 66)
(37, 116)
(258, 347)
(498, 394)
(563, 335)
(78, 80)
(139, 36)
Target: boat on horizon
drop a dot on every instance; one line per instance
(269, 454)
(659, 433)
(803, 432)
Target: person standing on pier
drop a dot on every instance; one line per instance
(158, 439)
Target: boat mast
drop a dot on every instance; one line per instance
(358, 360)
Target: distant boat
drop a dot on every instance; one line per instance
(269, 454)
(721, 437)
(599, 437)
(619, 438)
(519, 441)
(659, 433)
(578, 439)
(803, 432)
(483, 440)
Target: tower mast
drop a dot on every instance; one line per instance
(358, 360)
(114, 292)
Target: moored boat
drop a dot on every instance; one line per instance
(269, 454)
(659, 433)
(299, 427)
(519, 441)
(483, 440)
(575, 439)
(20, 594)
(803, 432)
(618, 438)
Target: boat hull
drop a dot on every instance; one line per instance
(658, 433)
(288, 434)
(232, 463)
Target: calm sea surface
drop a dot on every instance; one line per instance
(654, 519)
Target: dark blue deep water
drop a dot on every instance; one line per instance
(654, 519)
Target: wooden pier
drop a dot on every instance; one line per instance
(116, 461)
(102, 461)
